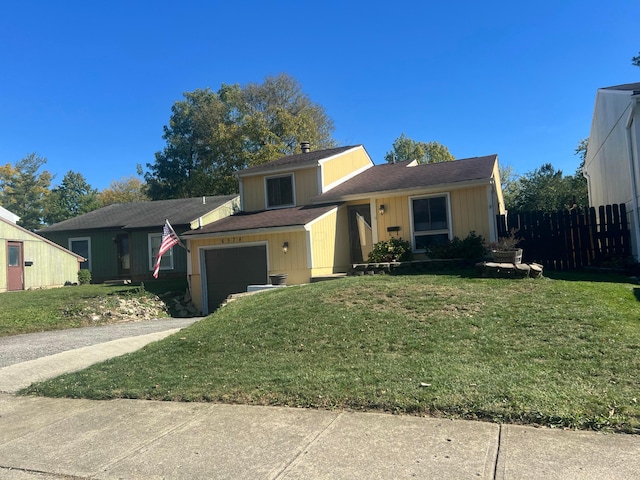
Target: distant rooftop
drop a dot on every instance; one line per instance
(181, 211)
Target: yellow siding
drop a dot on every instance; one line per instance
(498, 190)
(293, 263)
(469, 212)
(305, 181)
(52, 266)
(337, 168)
(330, 244)
(225, 210)
(396, 214)
(253, 193)
(306, 185)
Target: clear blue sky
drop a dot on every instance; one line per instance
(89, 85)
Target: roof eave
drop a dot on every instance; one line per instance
(194, 235)
(404, 191)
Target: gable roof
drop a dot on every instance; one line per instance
(300, 160)
(265, 219)
(390, 178)
(180, 211)
(41, 239)
(7, 215)
(633, 87)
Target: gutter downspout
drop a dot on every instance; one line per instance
(632, 167)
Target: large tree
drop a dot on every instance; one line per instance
(24, 190)
(509, 182)
(211, 135)
(407, 149)
(73, 197)
(547, 189)
(127, 189)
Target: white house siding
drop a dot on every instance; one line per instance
(611, 166)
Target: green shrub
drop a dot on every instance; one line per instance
(84, 277)
(471, 247)
(392, 250)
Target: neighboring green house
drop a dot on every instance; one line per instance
(121, 241)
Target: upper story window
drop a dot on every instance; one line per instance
(430, 224)
(280, 191)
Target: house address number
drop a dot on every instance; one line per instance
(232, 240)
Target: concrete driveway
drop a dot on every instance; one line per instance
(34, 357)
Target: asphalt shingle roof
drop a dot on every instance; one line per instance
(399, 176)
(181, 211)
(634, 87)
(296, 161)
(283, 217)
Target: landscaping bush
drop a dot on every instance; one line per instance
(392, 250)
(472, 247)
(84, 277)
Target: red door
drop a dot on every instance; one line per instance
(15, 268)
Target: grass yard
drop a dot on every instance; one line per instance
(31, 311)
(555, 352)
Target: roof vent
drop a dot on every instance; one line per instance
(305, 147)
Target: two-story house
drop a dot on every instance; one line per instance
(315, 213)
(612, 164)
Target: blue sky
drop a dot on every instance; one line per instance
(90, 85)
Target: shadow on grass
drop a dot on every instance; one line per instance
(590, 276)
(571, 275)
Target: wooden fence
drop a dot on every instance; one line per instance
(568, 240)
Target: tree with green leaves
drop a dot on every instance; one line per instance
(24, 190)
(547, 189)
(73, 197)
(509, 184)
(581, 151)
(211, 135)
(128, 189)
(635, 61)
(406, 149)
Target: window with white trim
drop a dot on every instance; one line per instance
(430, 223)
(82, 246)
(280, 191)
(166, 263)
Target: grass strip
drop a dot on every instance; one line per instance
(555, 352)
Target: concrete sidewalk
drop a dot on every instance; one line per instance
(42, 438)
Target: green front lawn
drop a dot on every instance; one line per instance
(31, 311)
(561, 353)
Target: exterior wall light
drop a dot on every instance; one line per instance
(382, 209)
(285, 247)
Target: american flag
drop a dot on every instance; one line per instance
(169, 239)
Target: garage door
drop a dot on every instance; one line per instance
(231, 270)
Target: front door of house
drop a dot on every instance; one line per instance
(124, 255)
(360, 233)
(15, 266)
